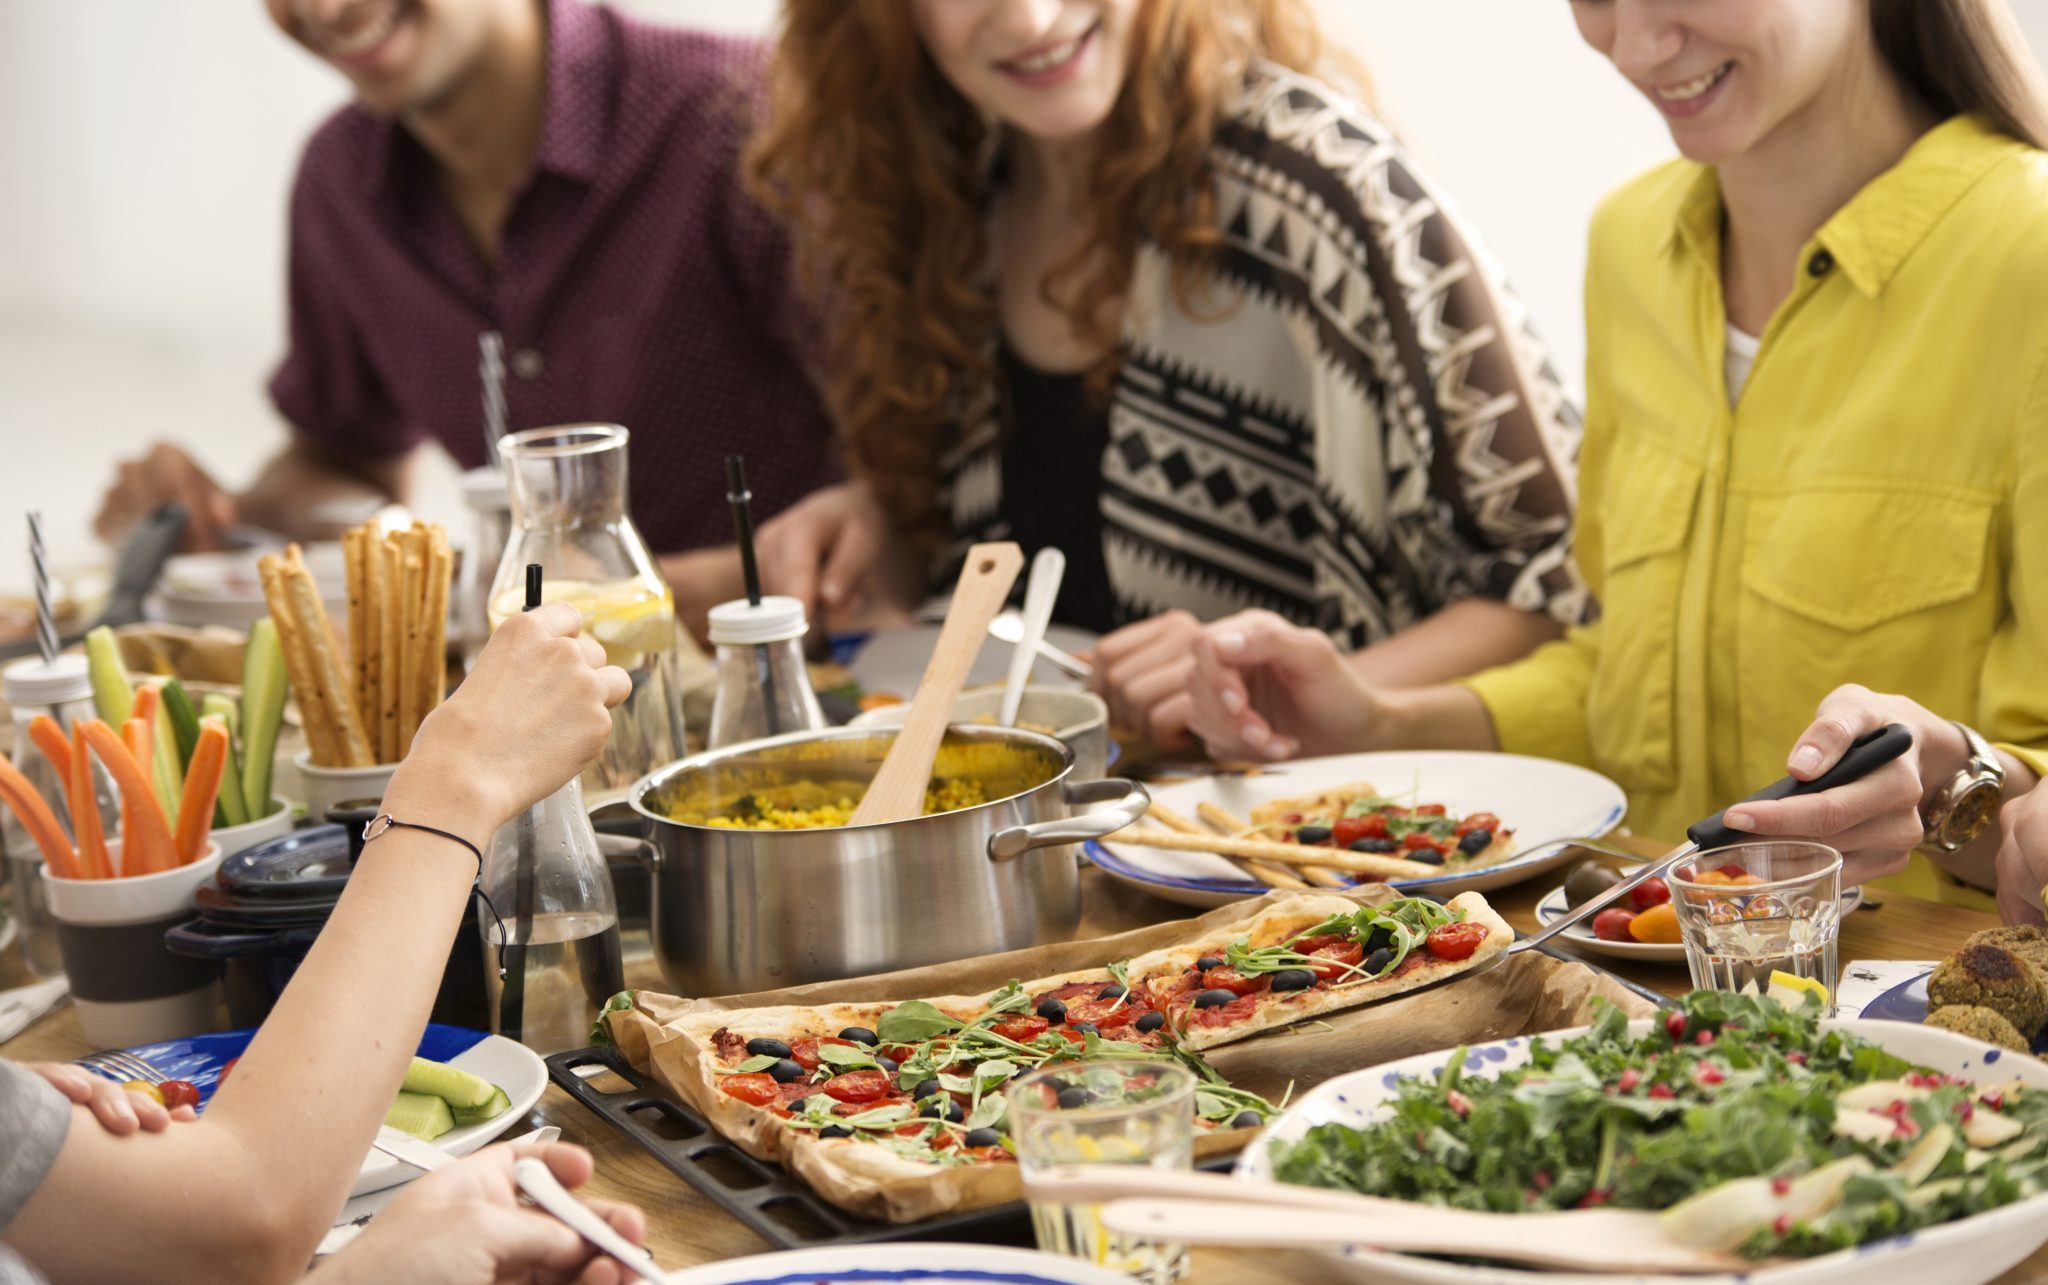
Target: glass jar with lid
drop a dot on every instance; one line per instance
(61, 689)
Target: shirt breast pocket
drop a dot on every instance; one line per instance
(1646, 522)
(1882, 586)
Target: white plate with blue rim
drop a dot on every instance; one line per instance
(1540, 801)
(1967, 1251)
(200, 1059)
(1579, 937)
(910, 1263)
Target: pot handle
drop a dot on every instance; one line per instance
(1130, 799)
(622, 846)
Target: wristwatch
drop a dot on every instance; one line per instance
(1969, 801)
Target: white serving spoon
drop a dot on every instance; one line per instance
(1210, 1209)
(1048, 567)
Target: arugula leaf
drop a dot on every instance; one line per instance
(987, 1113)
(846, 1058)
(912, 1022)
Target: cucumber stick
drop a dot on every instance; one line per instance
(422, 1115)
(169, 770)
(184, 720)
(463, 1091)
(263, 690)
(230, 810)
(112, 694)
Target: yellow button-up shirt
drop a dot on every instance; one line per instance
(1873, 509)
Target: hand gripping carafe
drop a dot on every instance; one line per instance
(568, 489)
(549, 920)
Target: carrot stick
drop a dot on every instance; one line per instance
(139, 735)
(55, 745)
(38, 820)
(94, 861)
(147, 848)
(202, 786)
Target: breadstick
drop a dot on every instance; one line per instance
(358, 615)
(370, 707)
(391, 658)
(350, 747)
(1230, 823)
(434, 655)
(1274, 876)
(412, 583)
(1289, 854)
(319, 741)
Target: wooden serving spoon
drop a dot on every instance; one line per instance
(897, 792)
(1210, 1209)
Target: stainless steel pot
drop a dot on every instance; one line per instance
(745, 910)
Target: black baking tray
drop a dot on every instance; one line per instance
(773, 1204)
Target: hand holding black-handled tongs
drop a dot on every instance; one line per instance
(1868, 753)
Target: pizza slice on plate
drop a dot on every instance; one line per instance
(1359, 818)
(1311, 956)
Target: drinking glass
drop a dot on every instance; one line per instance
(1129, 1113)
(1746, 910)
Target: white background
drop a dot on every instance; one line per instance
(146, 148)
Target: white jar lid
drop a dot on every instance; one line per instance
(485, 490)
(31, 682)
(777, 619)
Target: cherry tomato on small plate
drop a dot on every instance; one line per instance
(179, 1093)
(1657, 926)
(145, 1088)
(1648, 893)
(1613, 924)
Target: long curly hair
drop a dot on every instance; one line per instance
(884, 172)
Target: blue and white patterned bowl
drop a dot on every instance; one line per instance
(1964, 1252)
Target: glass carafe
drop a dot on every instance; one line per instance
(568, 487)
(551, 950)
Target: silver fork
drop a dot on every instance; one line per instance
(119, 1065)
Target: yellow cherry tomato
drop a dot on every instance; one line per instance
(145, 1088)
(1658, 925)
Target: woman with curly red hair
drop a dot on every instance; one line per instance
(1127, 278)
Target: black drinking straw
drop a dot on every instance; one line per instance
(737, 495)
(512, 954)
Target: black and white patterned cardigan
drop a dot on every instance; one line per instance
(1365, 431)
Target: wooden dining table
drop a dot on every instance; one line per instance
(685, 1228)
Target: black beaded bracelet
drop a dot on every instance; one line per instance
(384, 821)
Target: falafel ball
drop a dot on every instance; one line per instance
(1979, 1024)
(2028, 941)
(1995, 978)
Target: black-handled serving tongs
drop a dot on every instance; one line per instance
(1865, 755)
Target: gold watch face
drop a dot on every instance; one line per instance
(1975, 808)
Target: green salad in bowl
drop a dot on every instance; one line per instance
(1755, 1128)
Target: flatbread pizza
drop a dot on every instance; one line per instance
(1313, 957)
(1357, 818)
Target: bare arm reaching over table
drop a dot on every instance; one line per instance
(245, 1193)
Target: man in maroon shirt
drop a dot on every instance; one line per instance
(564, 176)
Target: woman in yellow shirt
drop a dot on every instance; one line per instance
(1816, 444)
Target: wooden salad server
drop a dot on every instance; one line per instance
(897, 792)
(1211, 1209)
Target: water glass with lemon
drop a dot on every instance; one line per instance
(1109, 1112)
(1762, 918)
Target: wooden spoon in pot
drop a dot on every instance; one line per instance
(897, 792)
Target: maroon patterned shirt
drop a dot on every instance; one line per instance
(636, 284)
